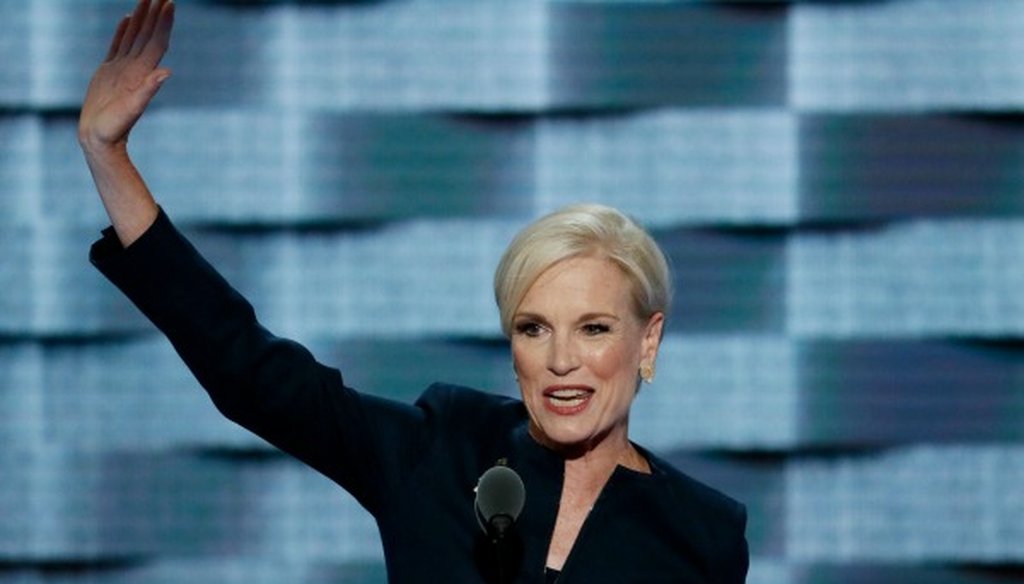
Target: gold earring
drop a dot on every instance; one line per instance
(647, 373)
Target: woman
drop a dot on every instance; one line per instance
(582, 295)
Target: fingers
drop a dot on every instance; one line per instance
(147, 27)
(115, 43)
(132, 30)
(145, 32)
(161, 36)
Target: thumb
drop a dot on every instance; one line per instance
(154, 81)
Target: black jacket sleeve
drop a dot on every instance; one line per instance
(271, 386)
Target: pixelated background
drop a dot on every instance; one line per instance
(840, 186)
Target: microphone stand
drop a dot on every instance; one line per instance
(500, 524)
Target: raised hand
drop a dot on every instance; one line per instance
(128, 78)
(119, 92)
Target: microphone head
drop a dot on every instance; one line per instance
(500, 495)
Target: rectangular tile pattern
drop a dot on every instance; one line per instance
(838, 185)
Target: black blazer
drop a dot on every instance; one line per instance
(414, 467)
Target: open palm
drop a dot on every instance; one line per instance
(129, 76)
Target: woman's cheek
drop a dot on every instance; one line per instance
(605, 361)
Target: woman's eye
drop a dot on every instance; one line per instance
(595, 329)
(530, 329)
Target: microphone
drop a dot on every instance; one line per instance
(500, 496)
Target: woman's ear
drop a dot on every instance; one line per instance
(652, 337)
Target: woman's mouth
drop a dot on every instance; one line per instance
(567, 401)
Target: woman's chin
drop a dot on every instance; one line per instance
(554, 433)
(569, 440)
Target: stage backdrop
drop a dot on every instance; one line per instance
(840, 186)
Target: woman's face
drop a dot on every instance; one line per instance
(577, 346)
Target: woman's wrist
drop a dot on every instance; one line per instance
(99, 150)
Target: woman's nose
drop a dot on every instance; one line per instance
(562, 355)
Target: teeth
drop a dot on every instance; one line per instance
(567, 394)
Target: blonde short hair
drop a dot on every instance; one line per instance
(583, 230)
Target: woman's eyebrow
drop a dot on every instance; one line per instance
(583, 317)
(593, 315)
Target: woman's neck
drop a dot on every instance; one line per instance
(585, 477)
(598, 458)
(600, 463)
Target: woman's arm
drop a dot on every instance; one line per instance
(272, 386)
(269, 385)
(118, 94)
